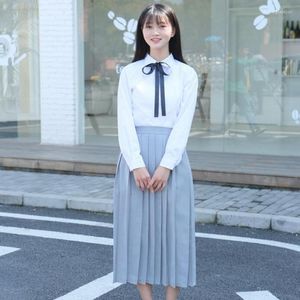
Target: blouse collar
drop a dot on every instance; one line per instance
(169, 60)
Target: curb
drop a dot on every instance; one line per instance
(201, 173)
(202, 215)
(14, 198)
(244, 219)
(287, 224)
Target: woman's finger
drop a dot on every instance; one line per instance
(137, 182)
(150, 183)
(142, 185)
(155, 184)
(163, 186)
(146, 182)
(158, 186)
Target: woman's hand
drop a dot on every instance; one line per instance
(141, 177)
(159, 179)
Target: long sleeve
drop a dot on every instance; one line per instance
(180, 132)
(127, 136)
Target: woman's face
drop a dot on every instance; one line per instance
(158, 34)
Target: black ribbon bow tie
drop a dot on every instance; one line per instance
(159, 85)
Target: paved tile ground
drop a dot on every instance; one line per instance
(211, 196)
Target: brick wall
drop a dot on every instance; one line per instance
(60, 72)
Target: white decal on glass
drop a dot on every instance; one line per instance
(260, 22)
(8, 50)
(121, 24)
(8, 57)
(273, 6)
(296, 116)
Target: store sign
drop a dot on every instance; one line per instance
(261, 21)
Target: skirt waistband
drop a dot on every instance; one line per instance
(153, 129)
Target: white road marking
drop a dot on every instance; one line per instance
(259, 295)
(7, 250)
(249, 240)
(92, 290)
(104, 284)
(53, 219)
(57, 235)
(109, 225)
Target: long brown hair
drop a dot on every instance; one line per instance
(157, 11)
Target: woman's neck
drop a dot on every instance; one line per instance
(159, 55)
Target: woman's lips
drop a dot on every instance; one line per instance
(155, 40)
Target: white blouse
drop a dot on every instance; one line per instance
(136, 108)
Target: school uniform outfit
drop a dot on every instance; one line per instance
(154, 232)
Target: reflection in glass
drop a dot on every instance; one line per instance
(109, 45)
(248, 73)
(19, 98)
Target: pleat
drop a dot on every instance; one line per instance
(134, 229)
(192, 248)
(158, 215)
(154, 233)
(142, 277)
(183, 220)
(121, 220)
(151, 203)
(171, 234)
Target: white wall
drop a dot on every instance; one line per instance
(60, 48)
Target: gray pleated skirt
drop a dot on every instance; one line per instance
(154, 233)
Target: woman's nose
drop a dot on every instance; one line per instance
(155, 30)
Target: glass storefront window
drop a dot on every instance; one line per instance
(109, 36)
(263, 75)
(246, 54)
(19, 80)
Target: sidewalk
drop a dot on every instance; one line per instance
(207, 165)
(235, 206)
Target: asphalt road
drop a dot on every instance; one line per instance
(43, 259)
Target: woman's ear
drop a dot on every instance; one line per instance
(173, 32)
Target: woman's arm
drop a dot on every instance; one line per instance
(127, 136)
(179, 135)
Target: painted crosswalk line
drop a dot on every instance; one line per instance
(258, 295)
(7, 250)
(103, 285)
(109, 241)
(55, 219)
(92, 290)
(57, 235)
(288, 246)
(243, 239)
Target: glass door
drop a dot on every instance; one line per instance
(262, 78)
(248, 71)
(19, 75)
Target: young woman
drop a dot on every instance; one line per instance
(154, 229)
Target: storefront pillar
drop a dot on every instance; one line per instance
(61, 72)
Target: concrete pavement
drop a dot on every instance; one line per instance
(226, 205)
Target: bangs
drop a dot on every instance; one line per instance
(160, 14)
(155, 16)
